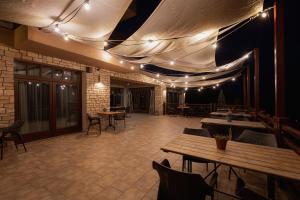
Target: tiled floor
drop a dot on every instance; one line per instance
(115, 165)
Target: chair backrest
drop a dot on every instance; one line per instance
(15, 127)
(253, 137)
(198, 132)
(90, 118)
(177, 185)
(120, 116)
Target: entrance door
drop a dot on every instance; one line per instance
(47, 99)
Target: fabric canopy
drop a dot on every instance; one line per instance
(191, 25)
(98, 22)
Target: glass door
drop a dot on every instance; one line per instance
(67, 106)
(33, 105)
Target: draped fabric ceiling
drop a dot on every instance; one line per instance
(178, 31)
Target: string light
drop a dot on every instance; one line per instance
(56, 28)
(214, 87)
(87, 5)
(132, 67)
(172, 62)
(186, 83)
(233, 79)
(203, 78)
(215, 45)
(246, 56)
(199, 90)
(121, 61)
(157, 75)
(105, 43)
(217, 85)
(186, 76)
(66, 37)
(141, 66)
(217, 69)
(186, 89)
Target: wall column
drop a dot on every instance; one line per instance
(256, 81)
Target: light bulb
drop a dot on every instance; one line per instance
(199, 90)
(105, 43)
(66, 37)
(214, 87)
(56, 28)
(121, 62)
(217, 69)
(141, 66)
(233, 79)
(186, 89)
(157, 75)
(264, 14)
(132, 67)
(186, 83)
(172, 62)
(186, 76)
(215, 45)
(203, 78)
(87, 5)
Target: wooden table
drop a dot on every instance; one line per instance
(225, 122)
(110, 115)
(236, 114)
(268, 160)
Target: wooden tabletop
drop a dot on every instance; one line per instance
(238, 114)
(267, 160)
(183, 107)
(110, 113)
(246, 124)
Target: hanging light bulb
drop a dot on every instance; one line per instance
(233, 79)
(66, 37)
(214, 87)
(87, 5)
(172, 62)
(56, 28)
(157, 75)
(246, 56)
(121, 61)
(105, 43)
(132, 67)
(141, 66)
(215, 45)
(217, 85)
(186, 89)
(263, 14)
(203, 78)
(199, 90)
(186, 76)
(186, 83)
(217, 69)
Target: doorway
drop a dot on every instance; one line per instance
(47, 99)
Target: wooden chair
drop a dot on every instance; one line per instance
(177, 185)
(191, 159)
(12, 133)
(93, 120)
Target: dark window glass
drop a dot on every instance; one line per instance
(57, 74)
(33, 70)
(46, 72)
(20, 68)
(67, 75)
(75, 76)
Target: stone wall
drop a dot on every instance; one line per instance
(94, 98)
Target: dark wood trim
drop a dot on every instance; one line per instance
(279, 61)
(245, 98)
(256, 81)
(248, 86)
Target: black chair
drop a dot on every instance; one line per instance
(258, 138)
(120, 117)
(245, 193)
(191, 159)
(177, 185)
(12, 133)
(94, 120)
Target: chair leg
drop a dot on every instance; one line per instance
(88, 129)
(229, 174)
(16, 145)
(206, 166)
(22, 141)
(100, 126)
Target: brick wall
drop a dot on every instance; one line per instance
(94, 99)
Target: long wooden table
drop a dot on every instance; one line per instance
(225, 122)
(236, 114)
(268, 160)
